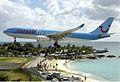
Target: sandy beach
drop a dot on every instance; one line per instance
(63, 69)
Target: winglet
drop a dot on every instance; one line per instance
(81, 26)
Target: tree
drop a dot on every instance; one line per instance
(39, 45)
(29, 45)
(68, 46)
(18, 44)
(73, 46)
(12, 47)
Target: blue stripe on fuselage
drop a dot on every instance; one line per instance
(29, 31)
(38, 32)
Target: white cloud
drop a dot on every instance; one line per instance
(107, 3)
(13, 14)
(57, 14)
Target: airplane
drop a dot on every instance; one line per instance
(41, 35)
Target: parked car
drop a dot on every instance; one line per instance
(56, 75)
(49, 77)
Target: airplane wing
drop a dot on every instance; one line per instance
(58, 36)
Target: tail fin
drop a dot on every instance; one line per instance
(104, 27)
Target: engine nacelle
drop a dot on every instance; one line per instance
(43, 38)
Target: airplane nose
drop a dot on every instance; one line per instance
(4, 31)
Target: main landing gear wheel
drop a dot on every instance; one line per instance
(14, 39)
(56, 44)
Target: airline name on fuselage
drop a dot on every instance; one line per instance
(34, 32)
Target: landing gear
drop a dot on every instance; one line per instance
(14, 39)
(38, 41)
(56, 44)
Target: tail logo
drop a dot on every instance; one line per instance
(102, 30)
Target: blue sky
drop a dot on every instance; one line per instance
(59, 15)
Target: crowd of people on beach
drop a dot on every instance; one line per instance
(47, 66)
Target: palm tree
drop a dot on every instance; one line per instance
(28, 45)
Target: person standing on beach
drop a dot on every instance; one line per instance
(50, 65)
(53, 67)
(72, 79)
(81, 80)
(85, 77)
(56, 66)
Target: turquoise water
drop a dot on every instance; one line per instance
(102, 69)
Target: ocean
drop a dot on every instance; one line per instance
(101, 69)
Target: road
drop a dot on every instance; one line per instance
(31, 66)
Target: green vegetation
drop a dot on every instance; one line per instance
(29, 50)
(18, 53)
(20, 75)
(17, 49)
(14, 59)
(36, 78)
(17, 74)
(3, 76)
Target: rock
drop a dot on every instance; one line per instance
(111, 56)
(100, 56)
